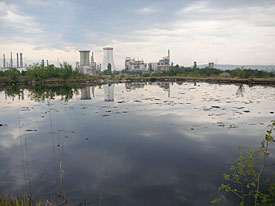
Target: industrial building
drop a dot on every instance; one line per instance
(95, 67)
(211, 65)
(162, 65)
(84, 65)
(133, 65)
(11, 65)
(108, 60)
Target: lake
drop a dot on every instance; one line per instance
(134, 144)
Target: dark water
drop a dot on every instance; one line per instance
(129, 144)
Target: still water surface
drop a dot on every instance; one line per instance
(130, 144)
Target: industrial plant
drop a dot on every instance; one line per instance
(133, 65)
(10, 63)
(162, 65)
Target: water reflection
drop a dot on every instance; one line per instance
(164, 85)
(85, 93)
(144, 149)
(240, 91)
(109, 92)
(133, 86)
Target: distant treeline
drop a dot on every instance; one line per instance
(39, 72)
(212, 72)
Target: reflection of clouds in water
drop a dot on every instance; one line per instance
(149, 154)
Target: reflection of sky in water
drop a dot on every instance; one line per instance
(159, 144)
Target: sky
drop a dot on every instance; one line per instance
(225, 32)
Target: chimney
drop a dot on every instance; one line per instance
(169, 56)
(17, 60)
(21, 60)
(4, 61)
(11, 61)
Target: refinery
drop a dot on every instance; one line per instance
(88, 65)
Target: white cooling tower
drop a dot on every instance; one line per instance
(108, 59)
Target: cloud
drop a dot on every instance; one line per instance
(201, 31)
(201, 6)
(147, 10)
(12, 18)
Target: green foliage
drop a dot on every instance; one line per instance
(246, 178)
(39, 72)
(107, 72)
(216, 202)
(212, 72)
(225, 75)
(41, 93)
(146, 75)
(12, 75)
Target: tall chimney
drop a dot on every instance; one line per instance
(4, 61)
(169, 56)
(21, 60)
(11, 61)
(17, 60)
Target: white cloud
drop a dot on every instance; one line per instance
(201, 6)
(147, 10)
(202, 33)
(199, 31)
(11, 17)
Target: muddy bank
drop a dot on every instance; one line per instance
(250, 81)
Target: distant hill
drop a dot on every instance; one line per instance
(230, 67)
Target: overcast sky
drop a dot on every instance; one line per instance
(229, 32)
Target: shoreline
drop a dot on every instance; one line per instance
(113, 80)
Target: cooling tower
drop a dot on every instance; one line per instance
(84, 58)
(108, 59)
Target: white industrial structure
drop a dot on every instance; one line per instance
(109, 92)
(133, 65)
(11, 65)
(108, 60)
(162, 65)
(84, 65)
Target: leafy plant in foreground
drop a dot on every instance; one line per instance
(246, 180)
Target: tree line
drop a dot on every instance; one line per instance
(40, 72)
(212, 72)
(65, 71)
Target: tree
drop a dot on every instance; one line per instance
(246, 179)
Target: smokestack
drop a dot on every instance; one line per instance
(4, 61)
(11, 61)
(169, 56)
(21, 60)
(47, 62)
(17, 60)
(92, 58)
